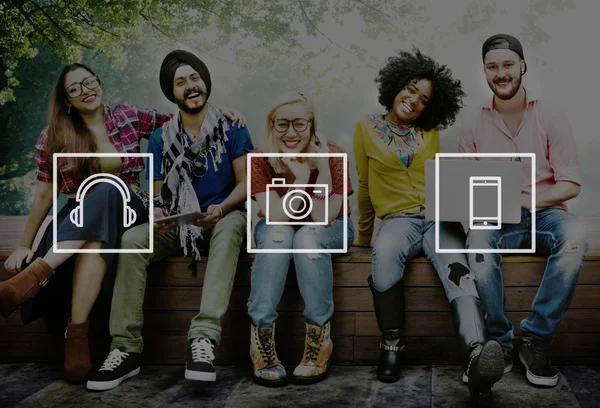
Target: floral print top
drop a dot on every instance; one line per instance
(403, 141)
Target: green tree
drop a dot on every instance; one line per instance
(68, 27)
(21, 123)
(298, 37)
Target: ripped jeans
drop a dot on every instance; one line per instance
(402, 237)
(560, 235)
(314, 272)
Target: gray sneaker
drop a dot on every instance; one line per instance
(508, 364)
(535, 356)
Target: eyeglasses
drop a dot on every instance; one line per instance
(198, 168)
(299, 125)
(76, 89)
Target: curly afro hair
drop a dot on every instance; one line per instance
(446, 100)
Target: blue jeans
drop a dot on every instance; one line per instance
(314, 272)
(402, 237)
(560, 235)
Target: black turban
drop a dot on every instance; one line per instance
(176, 59)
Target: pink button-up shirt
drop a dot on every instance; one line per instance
(543, 131)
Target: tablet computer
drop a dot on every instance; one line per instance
(182, 219)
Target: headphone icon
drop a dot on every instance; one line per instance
(129, 215)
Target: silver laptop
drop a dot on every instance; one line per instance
(483, 193)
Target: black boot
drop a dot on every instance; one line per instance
(482, 361)
(389, 309)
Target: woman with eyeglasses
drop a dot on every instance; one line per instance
(92, 219)
(420, 97)
(291, 193)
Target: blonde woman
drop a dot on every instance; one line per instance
(292, 127)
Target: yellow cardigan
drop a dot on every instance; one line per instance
(385, 185)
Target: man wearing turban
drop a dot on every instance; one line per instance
(199, 166)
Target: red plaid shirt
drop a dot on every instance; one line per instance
(125, 126)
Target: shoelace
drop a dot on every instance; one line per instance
(114, 359)
(476, 353)
(202, 351)
(313, 351)
(267, 349)
(468, 371)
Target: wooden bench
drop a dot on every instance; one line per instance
(173, 298)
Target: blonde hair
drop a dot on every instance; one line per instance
(269, 145)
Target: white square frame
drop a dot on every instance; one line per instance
(57, 250)
(484, 251)
(251, 250)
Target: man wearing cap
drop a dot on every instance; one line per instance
(199, 165)
(514, 120)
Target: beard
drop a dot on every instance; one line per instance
(191, 111)
(516, 84)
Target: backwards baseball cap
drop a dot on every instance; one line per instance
(503, 41)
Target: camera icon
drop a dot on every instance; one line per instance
(297, 192)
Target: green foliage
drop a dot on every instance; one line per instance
(275, 44)
(21, 123)
(68, 27)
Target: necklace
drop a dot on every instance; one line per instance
(391, 122)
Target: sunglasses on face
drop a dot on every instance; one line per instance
(76, 89)
(299, 125)
(199, 169)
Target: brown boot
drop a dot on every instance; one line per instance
(24, 286)
(318, 348)
(78, 365)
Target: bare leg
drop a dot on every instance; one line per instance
(55, 260)
(87, 280)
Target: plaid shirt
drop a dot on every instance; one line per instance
(125, 125)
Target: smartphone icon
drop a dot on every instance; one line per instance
(485, 202)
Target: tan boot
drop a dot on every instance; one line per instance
(318, 348)
(24, 286)
(78, 365)
(266, 367)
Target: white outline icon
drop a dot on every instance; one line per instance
(129, 215)
(251, 250)
(150, 169)
(485, 223)
(475, 250)
(297, 194)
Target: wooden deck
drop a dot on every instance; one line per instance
(173, 297)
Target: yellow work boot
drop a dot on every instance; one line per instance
(318, 348)
(266, 367)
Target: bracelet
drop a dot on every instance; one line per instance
(322, 197)
(220, 210)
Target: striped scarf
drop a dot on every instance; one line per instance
(177, 194)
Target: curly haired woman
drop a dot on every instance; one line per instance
(391, 150)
